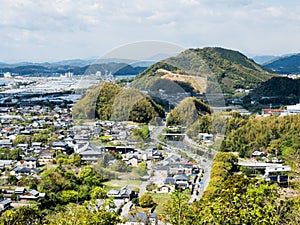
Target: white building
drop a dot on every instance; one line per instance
(293, 109)
(7, 75)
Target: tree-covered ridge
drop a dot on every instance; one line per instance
(110, 101)
(279, 87)
(187, 112)
(231, 68)
(278, 135)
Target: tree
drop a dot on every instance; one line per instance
(90, 177)
(12, 179)
(98, 193)
(22, 216)
(178, 211)
(85, 214)
(146, 200)
(75, 160)
(141, 169)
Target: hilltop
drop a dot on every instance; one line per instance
(109, 101)
(187, 112)
(195, 68)
(285, 65)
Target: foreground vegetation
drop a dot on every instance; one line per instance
(232, 198)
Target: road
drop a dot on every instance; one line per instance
(191, 148)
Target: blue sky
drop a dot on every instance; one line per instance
(50, 30)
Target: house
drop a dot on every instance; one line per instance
(141, 218)
(117, 203)
(90, 156)
(5, 204)
(19, 190)
(156, 154)
(36, 145)
(30, 162)
(181, 181)
(45, 157)
(31, 195)
(6, 143)
(134, 160)
(258, 154)
(20, 170)
(6, 164)
(277, 173)
(268, 112)
(125, 193)
(169, 181)
(165, 189)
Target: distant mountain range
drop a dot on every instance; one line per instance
(77, 67)
(262, 59)
(285, 65)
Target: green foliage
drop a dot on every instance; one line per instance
(120, 166)
(83, 215)
(187, 112)
(145, 110)
(233, 69)
(98, 193)
(178, 211)
(90, 177)
(63, 186)
(141, 169)
(141, 133)
(151, 186)
(21, 139)
(278, 86)
(238, 201)
(97, 102)
(14, 154)
(278, 135)
(146, 200)
(22, 216)
(222, 168)
(109, 101)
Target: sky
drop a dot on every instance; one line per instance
(52, 30)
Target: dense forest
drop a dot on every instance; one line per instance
(111, 101)
(187, 112)
(278, 135)
(232, 198)
(232, 69)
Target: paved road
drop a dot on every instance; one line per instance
(126, 209)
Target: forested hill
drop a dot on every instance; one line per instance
(109, 101)
(232, 69)
(187, 112)
(279, 87)
(285, 65)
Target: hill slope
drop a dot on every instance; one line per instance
(197, 67)
(187, 112)
(285, 65)
(110, 101)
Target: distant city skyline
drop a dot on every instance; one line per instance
(48, 31)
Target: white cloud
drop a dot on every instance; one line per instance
(71, 29)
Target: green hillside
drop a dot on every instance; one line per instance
(110, 101)
(187, 112)
(197, 67)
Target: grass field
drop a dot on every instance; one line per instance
(160, 200)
